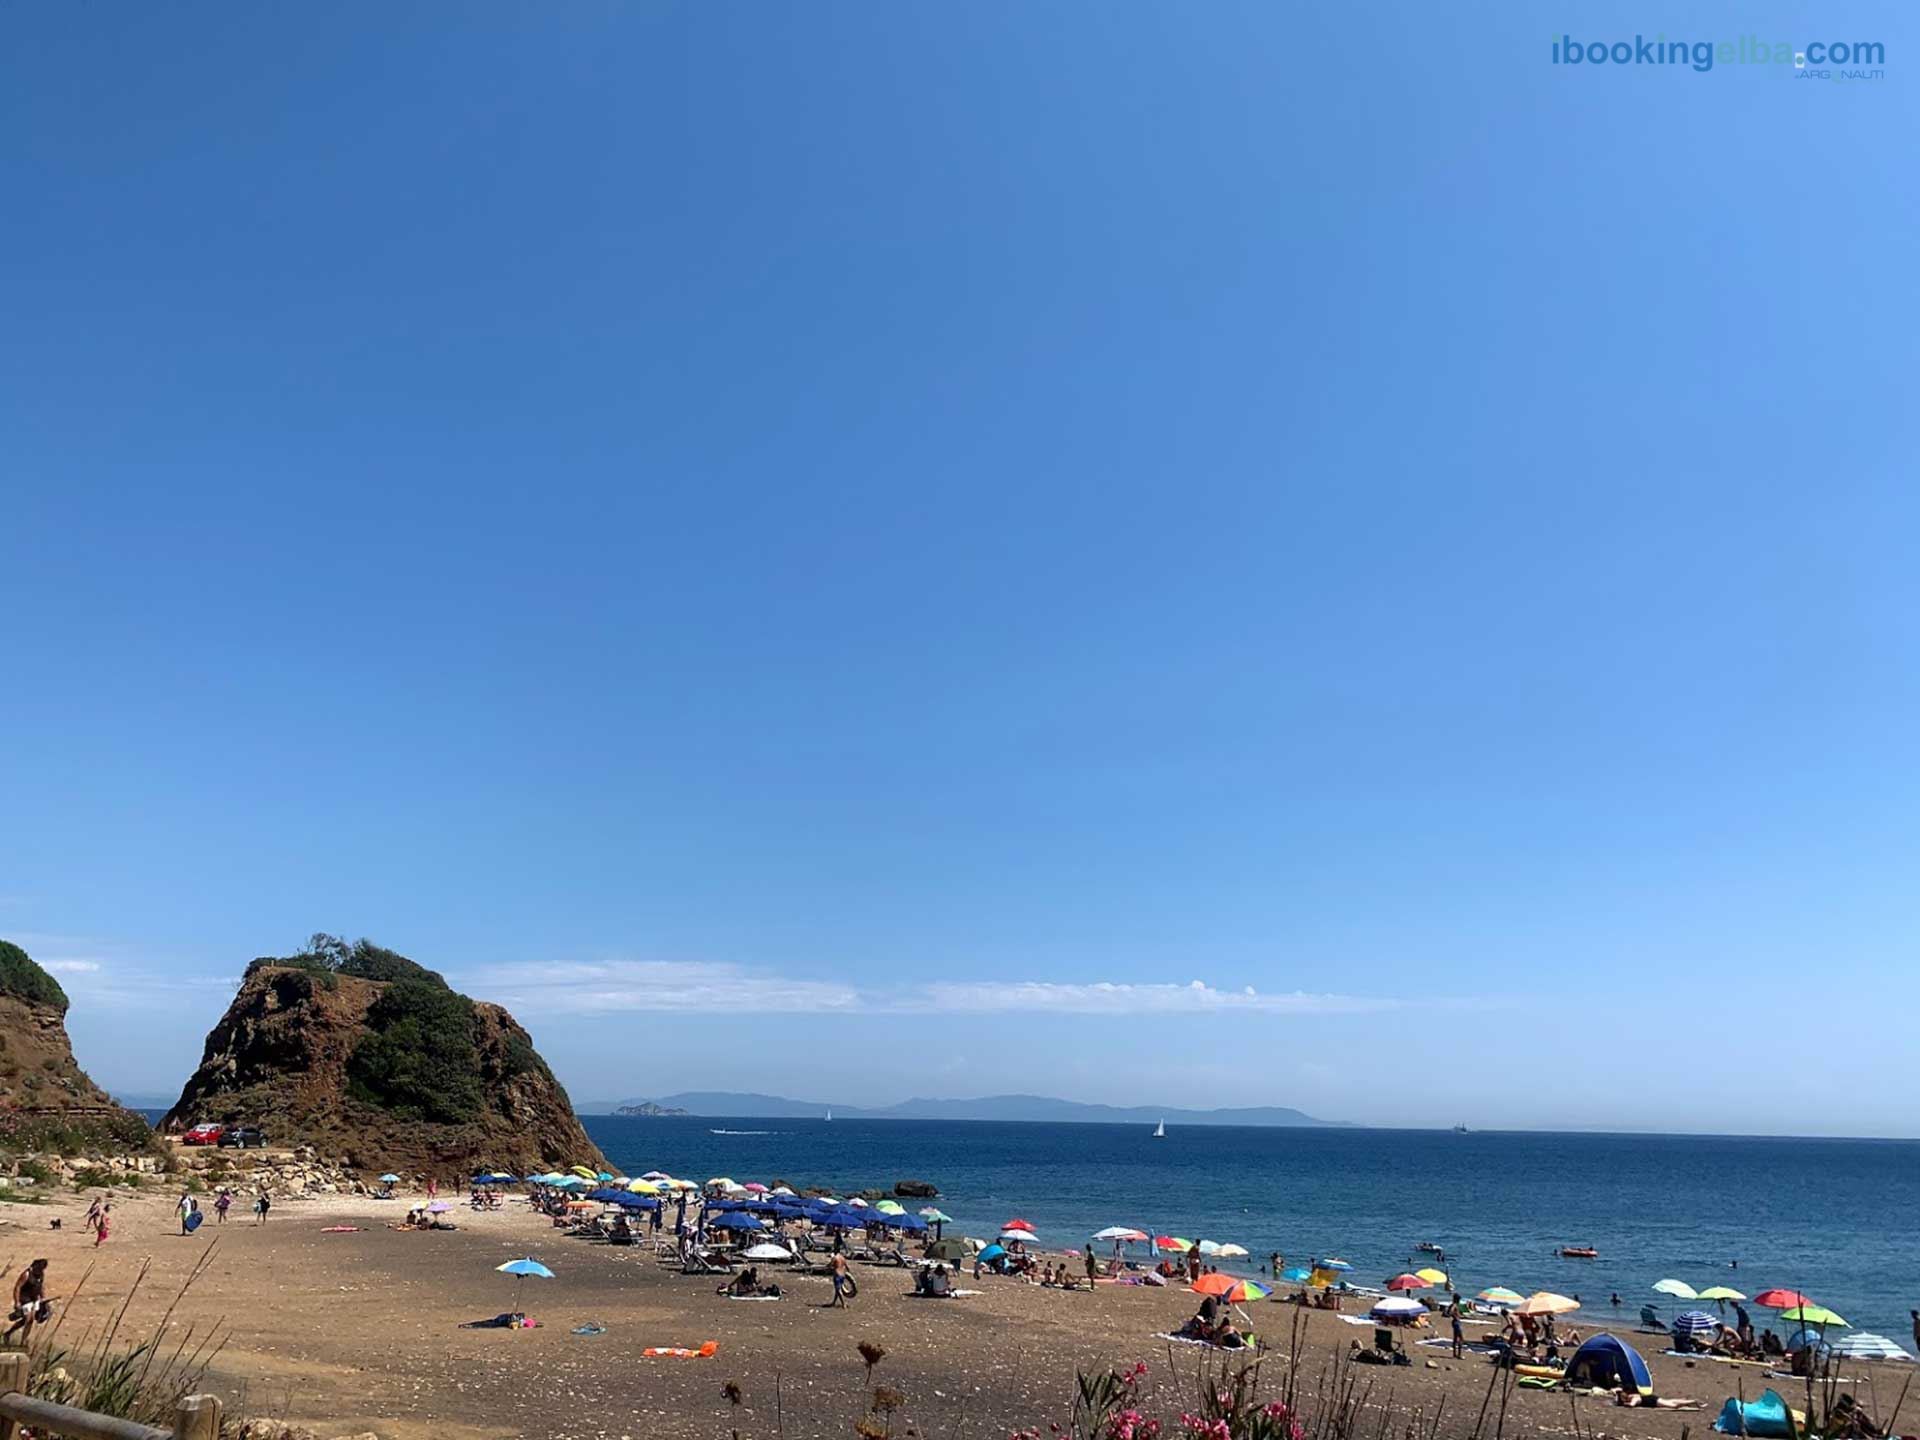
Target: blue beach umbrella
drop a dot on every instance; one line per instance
(1298, 1274)
(1694, 1322)
(520, 1270)
(738, 1220)
(389, 1179)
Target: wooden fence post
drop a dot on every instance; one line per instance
(197, 1418)
(13, 1381)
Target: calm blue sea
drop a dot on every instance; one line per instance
(1833, 1218)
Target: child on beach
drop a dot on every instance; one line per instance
(102, 1226)
(222, 1203)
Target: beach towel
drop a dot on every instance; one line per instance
(1173, 1339)
(340, 1229)
(592, 1327)
(680, 1352)
(750, 1297)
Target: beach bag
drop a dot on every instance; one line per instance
(192, 1222)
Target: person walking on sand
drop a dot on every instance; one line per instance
(1093, 1266)
(222, 1203)
(839, 1282)
(29, 1302)
(103, 1226)
(262, 1203)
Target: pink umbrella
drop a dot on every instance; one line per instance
(438, 1207)
(756, 1187)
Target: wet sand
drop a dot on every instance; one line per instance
(361, 1332)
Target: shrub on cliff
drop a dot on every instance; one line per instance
(19, 976)
(329, 955)
(418, 1059)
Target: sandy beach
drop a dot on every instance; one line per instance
(361, 1331)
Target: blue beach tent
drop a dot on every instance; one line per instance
(1609, 1363)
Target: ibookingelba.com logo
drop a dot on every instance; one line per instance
(1818, 59)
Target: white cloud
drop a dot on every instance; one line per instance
(573, 987)
(70, 967)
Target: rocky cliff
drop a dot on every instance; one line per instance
(47, 1102)
(367, 1056)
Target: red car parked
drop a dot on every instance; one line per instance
(203, 1135)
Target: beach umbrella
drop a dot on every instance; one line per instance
(1120, 1232)
(952, 1251)
(1406, 1282)
(934, 1215)
(781, 1190)
(1333, 1265)
(737, 1220)
(755, 1186)
(1299, 1274)
(1864, 1345)
(1432, 1276)
(1229, 1288)
(1017, 1224)
(603, 1175)
(643, 1187)
(993, 1252)
(1500, 1295)
(891, 1207)
(1720, 1292)
(1813, 1315)
(1779, 1299)
(656, 1176)
(1545, 1302)
(1172, 1242)
(767, 1251)
(389, 1179)
(1679, 1289)
(1398, 1307)
(1023, 1237)
(1694, 1322)
(912, 1224)
(584, 1173)
(438, 1207)
(521, 1269)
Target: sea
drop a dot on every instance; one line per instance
(1832, 1218)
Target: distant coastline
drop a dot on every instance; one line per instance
(1032, 1108)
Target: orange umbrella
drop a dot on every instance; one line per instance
(1227, 1287)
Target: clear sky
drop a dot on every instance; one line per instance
(1188, 554)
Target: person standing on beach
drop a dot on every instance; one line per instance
(1453, 1314)
(1093, 1266)
(185, 1207)
(433, 1188)
(261, 1205)
(102, 1226)
(1916, 1328)
(839, 1281)
(222, 1203)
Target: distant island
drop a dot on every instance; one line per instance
(746, 1105)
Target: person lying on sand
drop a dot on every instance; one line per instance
(1656, 1402)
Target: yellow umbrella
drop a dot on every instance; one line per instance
(1545, 1302)
(584, 1173)
(1719, 1292)
(1432, 1276)
(643, 1187)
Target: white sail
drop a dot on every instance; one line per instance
(1160, 1131)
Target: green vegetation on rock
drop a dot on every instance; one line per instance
(20, 977)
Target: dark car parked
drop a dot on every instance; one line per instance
(244, 1137)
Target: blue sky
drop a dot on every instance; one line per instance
(1190, 555)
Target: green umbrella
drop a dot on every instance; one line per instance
(1813, 1315)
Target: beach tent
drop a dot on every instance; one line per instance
(1298, 1274)
(952, 1251)
(1765, 1418)
(991, 1253)
(1609, 1364)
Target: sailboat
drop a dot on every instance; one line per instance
(1160, 1131)
(829, 1112)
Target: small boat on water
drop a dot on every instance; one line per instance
(1160, 1131)
(1427, 1247)
(1578, 1252)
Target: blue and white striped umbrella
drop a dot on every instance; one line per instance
(1694, 1322)
(1863, 1345)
